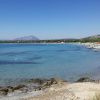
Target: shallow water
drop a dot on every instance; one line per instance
(66, 61)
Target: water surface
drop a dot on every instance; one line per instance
(67, 61)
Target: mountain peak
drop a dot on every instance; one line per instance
(30, 37)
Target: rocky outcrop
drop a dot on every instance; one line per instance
(38, 84)
(85, 79)
(9, 89)
(45, 83)
(30, 86)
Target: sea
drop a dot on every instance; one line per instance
(65, 61)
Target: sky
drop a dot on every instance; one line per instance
(49, 19)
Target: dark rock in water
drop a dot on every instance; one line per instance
(42, 81)
(9, 89)
(18, 87)
(45, 83)
(85, 79)
(50, 82)
(4, 91)
(38, 81)
(54, 81)
(30, 85)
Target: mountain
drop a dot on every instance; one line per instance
(27, 38)
(93, 37)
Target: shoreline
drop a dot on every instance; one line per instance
(51, 88)
(41, 43)
(90, 45)
(95, 46)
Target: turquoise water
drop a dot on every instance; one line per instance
(67, 61)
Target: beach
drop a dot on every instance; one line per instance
(83, 89)
(95, 46)
(75, 91)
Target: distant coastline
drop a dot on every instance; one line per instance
(31, 39)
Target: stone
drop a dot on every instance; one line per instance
(85, 79)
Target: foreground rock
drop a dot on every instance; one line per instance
(30, 85)
(55, 89)
(5, 90)
(85, 79)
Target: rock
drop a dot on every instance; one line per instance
(30, 86)
(4, 91)
(39, 81)
(54, 81)
(9, 89)
(49, 83)
(85, 79)
(18, 87)
(45, 83)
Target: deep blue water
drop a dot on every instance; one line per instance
(67, 61)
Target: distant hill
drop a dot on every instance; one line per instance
(95, 38)
(27, 38)
(33, 39)
(92, 37)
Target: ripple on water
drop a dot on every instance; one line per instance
(4, 62)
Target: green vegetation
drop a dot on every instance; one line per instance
(83, 40)
(40, 41)
(90, 40)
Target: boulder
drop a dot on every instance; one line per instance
(4, 91)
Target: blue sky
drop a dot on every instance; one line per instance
(49, 19)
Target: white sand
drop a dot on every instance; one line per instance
(66, 91)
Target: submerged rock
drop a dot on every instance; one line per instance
(38, 81)
(10, 89)
(30, 85)
(18, 87)
(4, 91)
